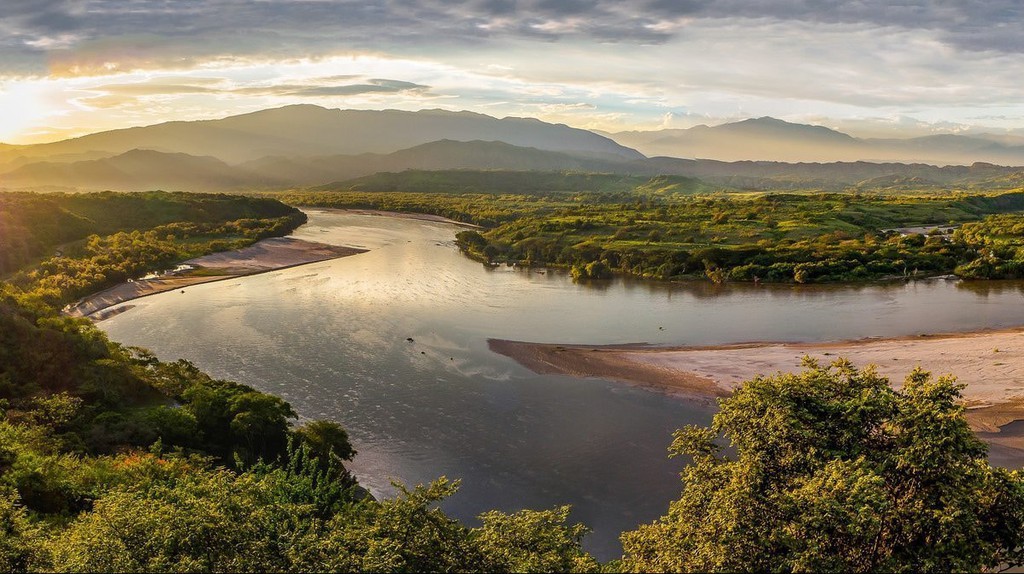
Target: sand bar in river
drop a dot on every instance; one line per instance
(991, 364)
(263, 256)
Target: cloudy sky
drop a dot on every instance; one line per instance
(869, 67)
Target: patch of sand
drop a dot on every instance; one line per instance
(991, 364)
(263, 256)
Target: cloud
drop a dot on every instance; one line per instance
(79, 36)
(373, 86)
(108, 95)
(628, 60)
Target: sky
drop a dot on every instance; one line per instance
(872, 68)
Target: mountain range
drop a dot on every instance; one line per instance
(770, 139)
(299, 146)
(308, 130)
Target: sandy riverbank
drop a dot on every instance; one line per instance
(266, 255)
(990, 363)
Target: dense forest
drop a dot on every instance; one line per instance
(671, 229)
(113, 460)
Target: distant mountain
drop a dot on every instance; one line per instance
(754, 139)
(770, 139)
(15, 161)
(135, 170)
(139, 170)
(308, 130)
(439, 155)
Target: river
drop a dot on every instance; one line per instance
(332, 339)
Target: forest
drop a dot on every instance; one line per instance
(672, 229)
(113, 460)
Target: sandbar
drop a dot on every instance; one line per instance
(990, 363)
(263, 256)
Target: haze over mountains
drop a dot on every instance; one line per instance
(770, 139)
(308, 130)
(307, 145)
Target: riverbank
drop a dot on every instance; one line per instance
(990, 363)
(261, 257)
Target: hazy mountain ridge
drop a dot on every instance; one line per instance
(770, 139)
(135, 170)
(139, 170)
(304, 140)
(438, 155)
(308, 130)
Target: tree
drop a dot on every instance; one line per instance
(533, 541)
(835, 470)
(20, 540)
(326, 439)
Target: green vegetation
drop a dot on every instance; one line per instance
(111, 460)
(94, 241)
(34, 225)
(999, 242)
(833, 470)
(508, 182)
(670, 228)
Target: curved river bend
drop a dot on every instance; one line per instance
(331, 338)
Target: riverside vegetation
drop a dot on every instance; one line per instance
(679, 228)
(113, 460)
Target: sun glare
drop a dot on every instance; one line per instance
(24, 110)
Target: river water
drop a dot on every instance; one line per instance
(331, 338)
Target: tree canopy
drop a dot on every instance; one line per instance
(832, 469)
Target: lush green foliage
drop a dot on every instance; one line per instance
(661, 229)
(34, 225)
(999, 242)
(490, 182)
(774, 238)
(833, 470)
(94, 262)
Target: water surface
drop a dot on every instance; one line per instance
(331, 338)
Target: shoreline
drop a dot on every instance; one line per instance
(264, 256)
(989, 362)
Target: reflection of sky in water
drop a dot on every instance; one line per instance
(331, 338)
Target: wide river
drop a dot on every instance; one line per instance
(331, 338)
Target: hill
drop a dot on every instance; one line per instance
(770, 139)
(439, 155)
(140, 170)
(308, 130)
(135, 170)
